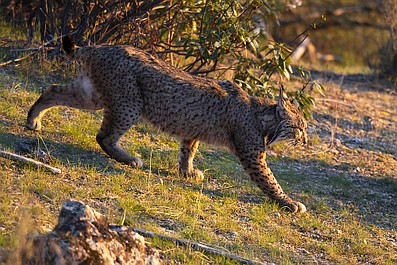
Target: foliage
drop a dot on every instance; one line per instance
(388, 53)
(216, 37)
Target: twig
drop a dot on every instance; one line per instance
(24, 159)
(197, 246)
(306, 32)
(31, 50)
(44, 45)
(14, 60)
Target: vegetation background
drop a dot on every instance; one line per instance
(346, 177)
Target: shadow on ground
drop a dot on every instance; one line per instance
(65, 153)
(374, 200)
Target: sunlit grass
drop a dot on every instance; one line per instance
(156, 198)
(226, 210)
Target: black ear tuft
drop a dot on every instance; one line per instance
(281, 97)
(68, 44)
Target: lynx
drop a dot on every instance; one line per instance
(128, 83)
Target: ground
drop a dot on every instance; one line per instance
(346, 177)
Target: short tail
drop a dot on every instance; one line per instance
(68, 44)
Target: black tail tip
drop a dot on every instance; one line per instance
(68, 44)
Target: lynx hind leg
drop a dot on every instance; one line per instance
(260, 173)
(187, 151)
(71, 95)
(115, 123)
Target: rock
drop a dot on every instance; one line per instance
(84, 236)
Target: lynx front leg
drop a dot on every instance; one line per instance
(188, 149)
(71, 95)
(254, 163)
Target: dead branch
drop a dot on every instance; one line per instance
(31, 51)
(43, 46)
(197, 246)
(24, 159)
(14, 60)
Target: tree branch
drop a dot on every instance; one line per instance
(14, 60)
(24, 159)
(197, 246)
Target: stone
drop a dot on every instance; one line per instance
(84, 236)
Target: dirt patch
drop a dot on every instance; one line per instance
(354, 148)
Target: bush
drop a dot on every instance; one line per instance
(388, 64)
(202, 37)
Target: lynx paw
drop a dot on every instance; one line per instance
(296, 207)
(137, 163)
(195, 173)
(33, 125)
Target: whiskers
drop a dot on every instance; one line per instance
(295, 142)
(292, 143)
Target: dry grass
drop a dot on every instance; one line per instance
(346, 178)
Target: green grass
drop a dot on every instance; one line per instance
(350, 217)
(157, 194)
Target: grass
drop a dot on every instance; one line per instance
(351, 215)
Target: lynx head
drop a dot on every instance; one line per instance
(292, 125)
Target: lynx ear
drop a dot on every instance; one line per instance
(281, 98)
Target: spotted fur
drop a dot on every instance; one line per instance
(128, 83)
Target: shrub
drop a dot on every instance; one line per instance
(388, 65)
(202, 37)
